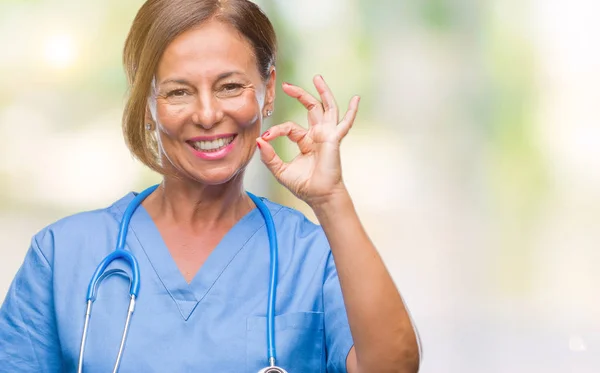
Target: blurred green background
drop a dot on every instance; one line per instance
(473, 162)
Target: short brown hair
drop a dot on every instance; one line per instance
(156, 25)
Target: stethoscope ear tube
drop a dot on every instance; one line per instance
(92, 294)
(134, 287)
(110, 272)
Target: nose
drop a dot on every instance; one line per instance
(207, 112)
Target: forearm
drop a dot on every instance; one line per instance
(383, 334)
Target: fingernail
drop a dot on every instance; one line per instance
(266, 134)
(286, 83)
(258, 144)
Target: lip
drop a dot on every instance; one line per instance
(212, 156)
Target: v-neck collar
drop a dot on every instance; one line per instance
(188, 296)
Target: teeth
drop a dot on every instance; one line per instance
(212, 145)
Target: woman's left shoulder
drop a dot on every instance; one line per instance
(297, 234)
(292, 217)
(303, 247)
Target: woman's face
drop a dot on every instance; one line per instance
(208, 100)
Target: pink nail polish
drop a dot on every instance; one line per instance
(265, 135)
(258, 144)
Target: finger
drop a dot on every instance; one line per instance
(348, 120)
(309, 101)
(329, 105)
(270, 158)
(314, 106)
(293, 131)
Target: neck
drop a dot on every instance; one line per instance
(191, 205)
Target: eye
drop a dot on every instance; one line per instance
(177, 93)
(231, 87)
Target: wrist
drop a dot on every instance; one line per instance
(338, 200)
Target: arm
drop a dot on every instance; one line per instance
(385, 340)
(383, 334)
(28, 336)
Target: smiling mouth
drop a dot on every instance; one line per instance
(212, 146)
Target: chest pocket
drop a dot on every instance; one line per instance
(299, 340)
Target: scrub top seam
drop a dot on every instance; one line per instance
(153, 267)
(116, 206)
(139, 242)
(149, 261)
(37, 359)
(117, 219)
(235, 255)
(37, 247)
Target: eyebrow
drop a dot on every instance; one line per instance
(178, 81)
(228, 74)
(186, 82)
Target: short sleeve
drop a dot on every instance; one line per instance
(338, 337)
(28, 335)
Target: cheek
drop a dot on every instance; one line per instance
(170, 117)
(167, 114)
(247, 113)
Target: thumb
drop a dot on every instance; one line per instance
(270, 158)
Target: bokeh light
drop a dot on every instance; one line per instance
(60, 50)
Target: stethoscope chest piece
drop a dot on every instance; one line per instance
(272, 370)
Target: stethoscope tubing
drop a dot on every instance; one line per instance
(120, 253)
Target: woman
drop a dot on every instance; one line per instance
(202, 79)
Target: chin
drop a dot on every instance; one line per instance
(215, 177)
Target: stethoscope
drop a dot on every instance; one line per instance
(134, 280)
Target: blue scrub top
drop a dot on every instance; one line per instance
(217, 323)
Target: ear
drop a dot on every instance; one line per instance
(270, 91)
(149, 122)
